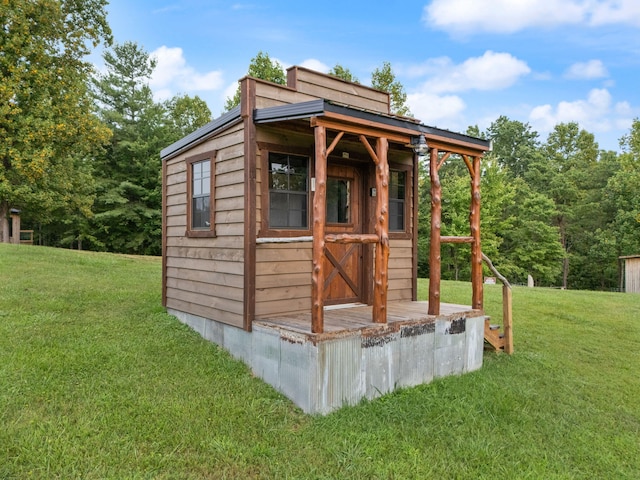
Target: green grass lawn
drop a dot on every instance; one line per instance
(96, 381)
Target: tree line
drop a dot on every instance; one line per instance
(79, 155)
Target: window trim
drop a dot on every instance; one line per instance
(408, 202)
(189, 161)
(265, 229)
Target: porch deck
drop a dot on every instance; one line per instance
(342, 320)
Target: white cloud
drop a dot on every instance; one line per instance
(316, 65)
(501, 16)
(616, 11)
(230, 90)
(173, 75)
(436, 110)
(491, 71)
(587, 70)
(596, 113)
(508, 16)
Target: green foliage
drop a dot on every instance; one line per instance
(384, 79)
(262, 67)
(622, 197)
(47, 129)
(127, 211)
(129, 195)
(515, 145)
(185, 115)
(561, 211)
(343, 73)
(97, 381)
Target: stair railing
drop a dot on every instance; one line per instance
(507, 315)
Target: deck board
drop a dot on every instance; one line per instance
(338, 321)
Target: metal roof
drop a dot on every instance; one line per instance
(309, 109)
(320, 106)
(225, 120)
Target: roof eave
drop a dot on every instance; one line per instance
(203, 133)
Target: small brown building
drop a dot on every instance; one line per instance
(295, 215)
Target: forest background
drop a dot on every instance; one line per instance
(79, 156)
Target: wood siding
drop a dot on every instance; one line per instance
(205, 276)
(632, 275)
(283, 279)
(319, 85)
(400, 269)
(208, 276)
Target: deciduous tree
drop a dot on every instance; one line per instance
(384, 79)
(343, 73)
(47, 129)
(263, 67)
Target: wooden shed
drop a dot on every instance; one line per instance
(290, 239)
(631, 272)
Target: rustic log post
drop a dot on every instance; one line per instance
(434, 247)
(381, 277)
(476, 250)
(507, 319)
(319, 216)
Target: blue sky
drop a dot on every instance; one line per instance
(462, 62)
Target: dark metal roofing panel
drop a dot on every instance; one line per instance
(310, 109)
(290, 111)
(320, 107)
(202, 133)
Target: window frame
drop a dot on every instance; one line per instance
(190, 161)
(408, 202)
(266, 230)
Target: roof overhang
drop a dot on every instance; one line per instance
(334, 115)
(337, 117)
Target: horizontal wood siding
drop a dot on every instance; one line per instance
(270, 95)
(205, 276)
(400, 269)
(331, 88)
(283, 278)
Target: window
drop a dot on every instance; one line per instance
(200, 207)
(200, 211)
(397, 188)
(288, 191)
(338, 200)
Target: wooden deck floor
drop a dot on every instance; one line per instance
(352, 318)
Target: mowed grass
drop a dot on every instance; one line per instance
(97, 381)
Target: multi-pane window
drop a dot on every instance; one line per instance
(288, 191)
(397, 187)
(201, 195)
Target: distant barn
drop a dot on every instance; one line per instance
(631, 273)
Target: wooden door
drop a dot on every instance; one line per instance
(343, 262)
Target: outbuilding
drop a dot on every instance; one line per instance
(631, 272)
(290, 239)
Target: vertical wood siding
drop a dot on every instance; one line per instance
(632, 275)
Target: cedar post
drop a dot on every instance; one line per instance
(319, 216)
(381, 277)
(476, 251)
(507, 319)
(434, 248)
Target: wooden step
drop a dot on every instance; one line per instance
(493, 335)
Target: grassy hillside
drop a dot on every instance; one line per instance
(96, 381)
